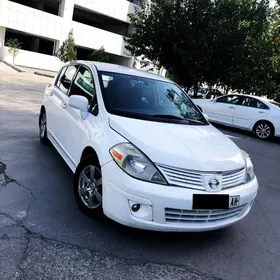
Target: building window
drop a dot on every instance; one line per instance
(51, 7)
(100, 21)
(30, 42)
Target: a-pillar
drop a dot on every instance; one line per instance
(2, 43)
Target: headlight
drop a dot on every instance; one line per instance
(250, 174)
(135, 163)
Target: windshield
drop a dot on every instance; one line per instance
(275, 103)
(148, 99)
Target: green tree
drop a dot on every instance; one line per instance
(13, 47)
(202, 41)
(174, 34)
(170, 76)
(99, 55)
(272, 89)
(260, 71)
(67, 52)
(245, 59)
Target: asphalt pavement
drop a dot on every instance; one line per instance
(43, 234)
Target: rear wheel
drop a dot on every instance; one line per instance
(264, 130)
(43, 128)
(88, 187)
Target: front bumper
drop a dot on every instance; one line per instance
(120, 192)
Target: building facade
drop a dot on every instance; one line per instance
(41, 26)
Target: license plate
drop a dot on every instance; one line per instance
(212, 202)
(234, 201)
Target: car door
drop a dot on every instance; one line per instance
(222, 109)
(77, 130)
(56, 106)
(249, 111)
(51, 103)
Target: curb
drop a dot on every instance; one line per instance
(13, 66)
(44, 75)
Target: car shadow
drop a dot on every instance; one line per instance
(171, 247)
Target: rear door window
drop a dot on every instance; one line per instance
(254, 103)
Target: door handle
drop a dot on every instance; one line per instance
(63, 105)
(231, 107)
(261, 112)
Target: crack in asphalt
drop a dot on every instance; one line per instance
(8, 179)
(4, 179)
(25, 255)
(29, 235)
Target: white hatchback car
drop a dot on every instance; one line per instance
(142, 153)
(253, 113)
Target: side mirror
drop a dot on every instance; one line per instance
(80, 103)
(205, 116)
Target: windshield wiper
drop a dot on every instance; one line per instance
(172, 117)
(169, 117)
(194, 121)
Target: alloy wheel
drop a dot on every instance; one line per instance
(90, 187)
(263, 130)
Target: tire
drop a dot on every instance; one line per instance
(264, 130)
(43, 128)
(88, 187)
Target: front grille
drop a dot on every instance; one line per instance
(200, 216)
(182, 177)
(233, 179)
(198, 180)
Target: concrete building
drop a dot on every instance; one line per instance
(42, 26)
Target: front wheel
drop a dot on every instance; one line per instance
(263, 130)
(43, 128)
(88, 187)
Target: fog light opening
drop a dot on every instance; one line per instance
(141, 210)
(135, 207)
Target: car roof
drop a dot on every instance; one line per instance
(114, 68)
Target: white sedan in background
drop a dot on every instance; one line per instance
(252, 113)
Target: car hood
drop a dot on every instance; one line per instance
(194, 147)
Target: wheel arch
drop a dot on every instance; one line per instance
(264, 121)
(89, 151)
